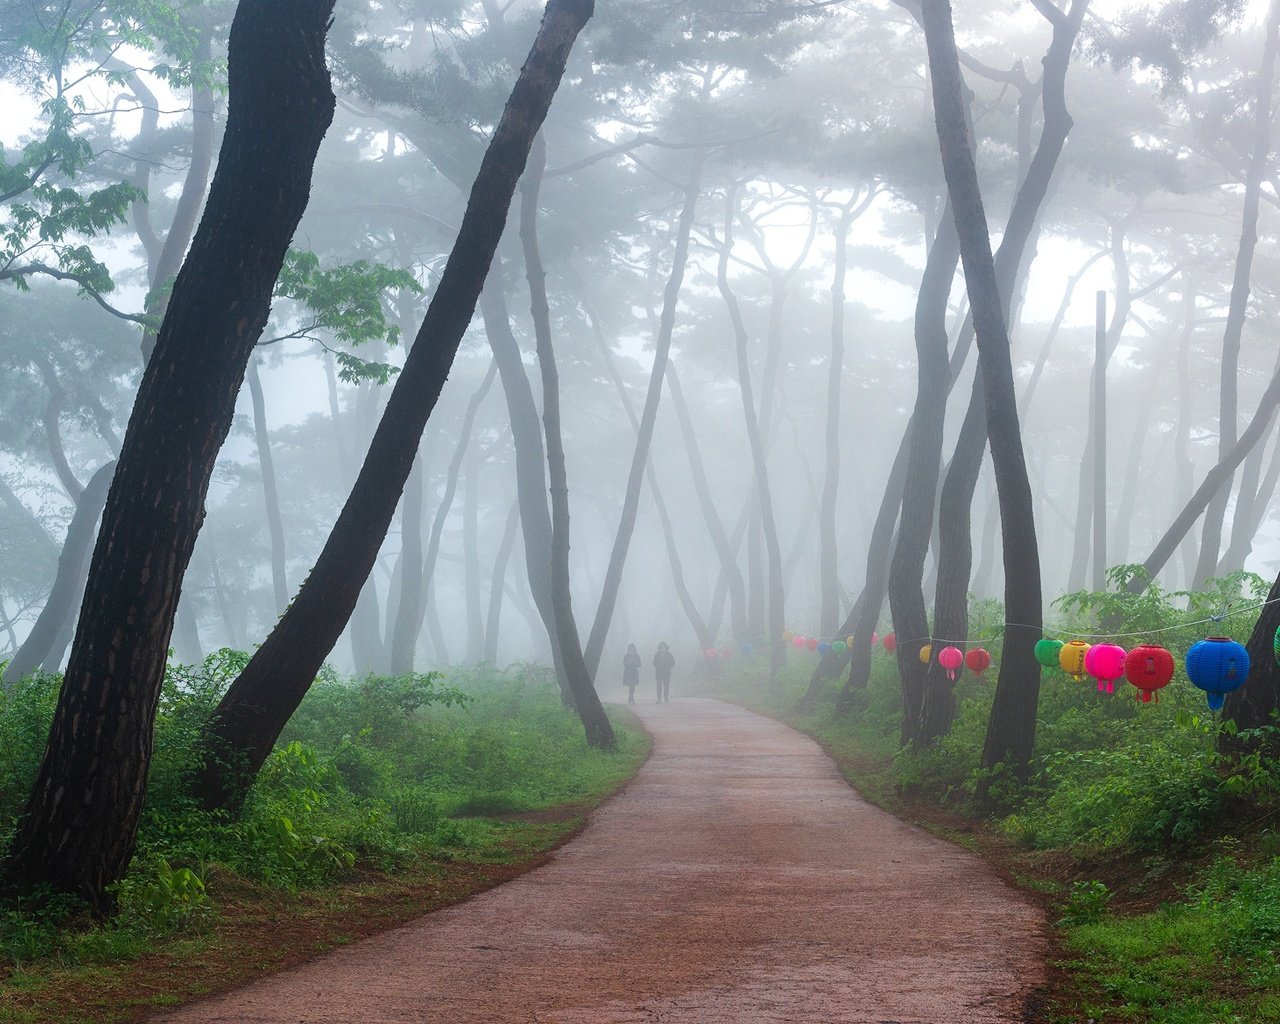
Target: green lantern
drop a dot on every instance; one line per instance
(1275, 645)
(839, 647)
(1047, 650)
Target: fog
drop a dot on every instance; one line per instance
(774, 118)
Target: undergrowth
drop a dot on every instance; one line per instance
(1135, 795)
(376, 773)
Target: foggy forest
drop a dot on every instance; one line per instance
(626, 459)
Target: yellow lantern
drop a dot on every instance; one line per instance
(1071, 658)
(926, 653)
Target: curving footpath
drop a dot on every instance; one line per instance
(737, 879)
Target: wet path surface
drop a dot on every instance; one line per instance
(738, 879)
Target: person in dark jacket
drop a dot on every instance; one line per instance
(663, 663)
(631, 672)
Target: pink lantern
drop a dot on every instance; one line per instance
(951, 658)
(711, 652)
(875, 638)
(797, 642)
(1105, 662)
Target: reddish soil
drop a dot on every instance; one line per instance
(737, 879)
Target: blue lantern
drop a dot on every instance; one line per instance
(746, 650)
(823, 647)
(1217, 665)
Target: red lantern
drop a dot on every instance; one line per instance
(977, 661)
(812, 643)
(951, 658)
(726, 652)
(890, 642)
(1149, 668)
(711, 653)
(1105, 662)
(797, 642)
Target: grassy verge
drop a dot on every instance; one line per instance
(1157, 860)
(386, 799)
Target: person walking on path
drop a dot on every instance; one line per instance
(631, 672)
(663, 663)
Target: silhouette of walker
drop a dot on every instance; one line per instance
(631, 672)
(663, 663)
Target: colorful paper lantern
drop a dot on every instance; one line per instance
(711, 653)
(1105, 662)
(951, 658)
(797, 642)
(1071, 659)
(788, 635)
(926, 653)
(890, 642)
(875, 638)
(726, 652)
(977, 661)
(848, 641)
(747, 650)
(839, 647)
(1047, 651)
(1217, 665)
(1275, 645)
(1149, 668)
(823, 647)
(812, 643)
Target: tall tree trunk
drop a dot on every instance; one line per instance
(580, 676)
(1255, 705)
(1246, 524)
(471, 559)
(410, 617)
(493, 622)
(755, 432)
(1229, 389)
(1018, 689)
(270, 492)
(73, 563)
(631, 500)
(1011, 730)
(407, 618)
(250, 716)
(78, 831)
(906, 598)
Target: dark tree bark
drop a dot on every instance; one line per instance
(1016, 703)
(580, 677)
(1254, 705)
(258, 704)
(77, 834)
(915, 523)
(1011, 730)
(270, 492)
(40, 645)
(1229, 389)
(640, 456)
(1250, 513)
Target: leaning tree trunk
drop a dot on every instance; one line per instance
(246, 723)
(1247, 528)
(493, 619)
(38, 648)
(78, 831)
(1229, 389)
(1255, 705)
(586, 700)
(640, 456)
(1011, 730)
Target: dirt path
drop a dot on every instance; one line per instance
(738, 879)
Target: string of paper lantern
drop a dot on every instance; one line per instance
(1215, 665)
